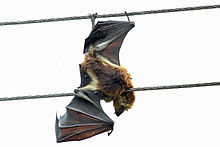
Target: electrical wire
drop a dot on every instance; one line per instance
(37, 96)
(111, 15)
(129, 90)
(174, 86)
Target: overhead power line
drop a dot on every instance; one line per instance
(129, 90)
(174, 86)
(111, 15)
(37, 96)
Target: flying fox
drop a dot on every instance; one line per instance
(102, 78)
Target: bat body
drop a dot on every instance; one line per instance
(102, 78)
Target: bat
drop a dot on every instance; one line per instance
(102, 78)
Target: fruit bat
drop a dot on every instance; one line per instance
(102, 78)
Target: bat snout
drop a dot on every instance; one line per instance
(120, 110)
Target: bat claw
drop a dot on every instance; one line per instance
(93, 17)
(76, 90)
(127, 16)
(109, 133)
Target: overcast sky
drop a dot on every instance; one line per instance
(162, 49)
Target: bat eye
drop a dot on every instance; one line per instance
(123, 94)
(122, 107)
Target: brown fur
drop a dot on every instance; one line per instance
(113, 80)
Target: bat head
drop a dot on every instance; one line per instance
(123, 102)
(107, 37)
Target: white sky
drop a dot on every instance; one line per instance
(162, 49)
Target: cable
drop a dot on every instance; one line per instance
(36, 96)
(174, 86)
(111, 15)
(129, 90)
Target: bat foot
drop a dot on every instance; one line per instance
(93, 17)
(77, 90)
(127, 16)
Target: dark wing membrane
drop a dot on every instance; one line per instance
(83, 119)
(109, 36)
(111, 52)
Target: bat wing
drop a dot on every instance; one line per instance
(107, 38)
(84, 115)
(84, 118)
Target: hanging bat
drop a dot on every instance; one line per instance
(102, 78)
